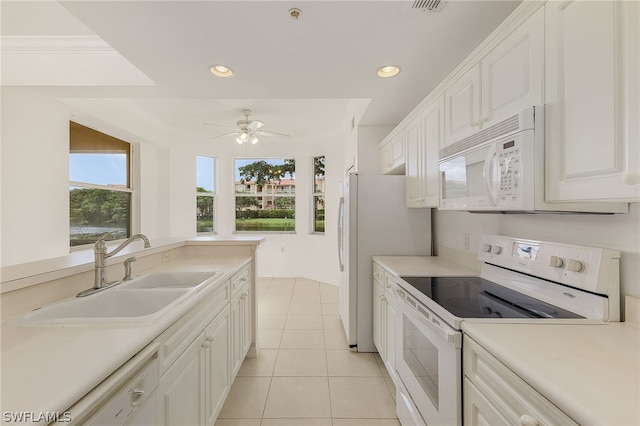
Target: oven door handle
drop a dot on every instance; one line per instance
(448, 334)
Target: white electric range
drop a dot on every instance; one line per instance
(521, 280)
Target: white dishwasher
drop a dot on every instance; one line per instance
(127, 397)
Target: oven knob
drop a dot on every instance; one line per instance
(556, 262)
(486, 248)
(496, 249)
(575, 265)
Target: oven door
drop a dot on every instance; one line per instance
(428, 362)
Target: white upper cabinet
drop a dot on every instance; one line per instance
(433, 134)
(507, 80)
(462, 103)
(592, 94)
(512, 73)
(392, 155)
(415, 167)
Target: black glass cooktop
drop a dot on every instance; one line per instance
(475, 297)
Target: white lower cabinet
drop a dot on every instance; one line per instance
(384, 318)
(200, 354)
(494, 395)
(194, 388)
(217, 365)
(181, 390)
(241, 326)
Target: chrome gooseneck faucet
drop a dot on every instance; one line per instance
(101, 255)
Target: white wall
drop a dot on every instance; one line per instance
(619, 232)
(35, 177)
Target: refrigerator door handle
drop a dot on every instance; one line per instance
(340, 234)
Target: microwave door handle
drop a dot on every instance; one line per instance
(486, 172)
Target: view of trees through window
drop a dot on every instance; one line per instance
(318, 194)
(205, 194)
(265, 194)
(99, 186)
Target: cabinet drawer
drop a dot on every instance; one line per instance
(513, 398)
(389, 283)
(239, 279)
(177, 337)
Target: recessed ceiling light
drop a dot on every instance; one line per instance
(388, 71)
(221, 71)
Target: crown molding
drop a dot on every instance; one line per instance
(72, 44)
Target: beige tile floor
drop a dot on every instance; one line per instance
(304, 374)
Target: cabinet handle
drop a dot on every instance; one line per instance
(527, 420)
(136, 395)
(210, 339)
(475, 123)
(244, 295)
(206, 345)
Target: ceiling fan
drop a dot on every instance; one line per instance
(247, 130)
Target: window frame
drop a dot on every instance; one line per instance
(213, 194)
(271, 196)
(132, 178)
(315, 194)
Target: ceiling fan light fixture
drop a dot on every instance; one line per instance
(253, 139)
(387, 71)
(221, 71)
(242, 137)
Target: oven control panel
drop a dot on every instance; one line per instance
(592, 269)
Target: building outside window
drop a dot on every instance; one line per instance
(205, 194)
(100, 190)
(265, 195)
(318, 194)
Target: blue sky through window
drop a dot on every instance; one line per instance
(99, 169)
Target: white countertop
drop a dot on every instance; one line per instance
(49, 368)
(422, 266)
(591, 372)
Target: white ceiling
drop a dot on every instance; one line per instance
(149, 60)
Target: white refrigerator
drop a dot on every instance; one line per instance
(373, 221)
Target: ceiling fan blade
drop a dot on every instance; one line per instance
(225, 135)
(255, 125)
(219, 125)
(263, 133)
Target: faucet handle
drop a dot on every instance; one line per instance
(106, 234)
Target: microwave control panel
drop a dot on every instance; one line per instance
(509, 172)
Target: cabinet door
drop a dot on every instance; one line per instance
(217, 364)
(240, 328)
(415, 167)
(378, 318)
(390, 341)
(512, 73)
(433, 140)
(246, 317)
(477, 410)
(462, 103)
(180, 392)
(592, 94)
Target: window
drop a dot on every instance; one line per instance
(265, 194)
(205, 194)
(318, 194)
(99, 186)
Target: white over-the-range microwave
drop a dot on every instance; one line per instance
(501, 169)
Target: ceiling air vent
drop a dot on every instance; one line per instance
(429, 5)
